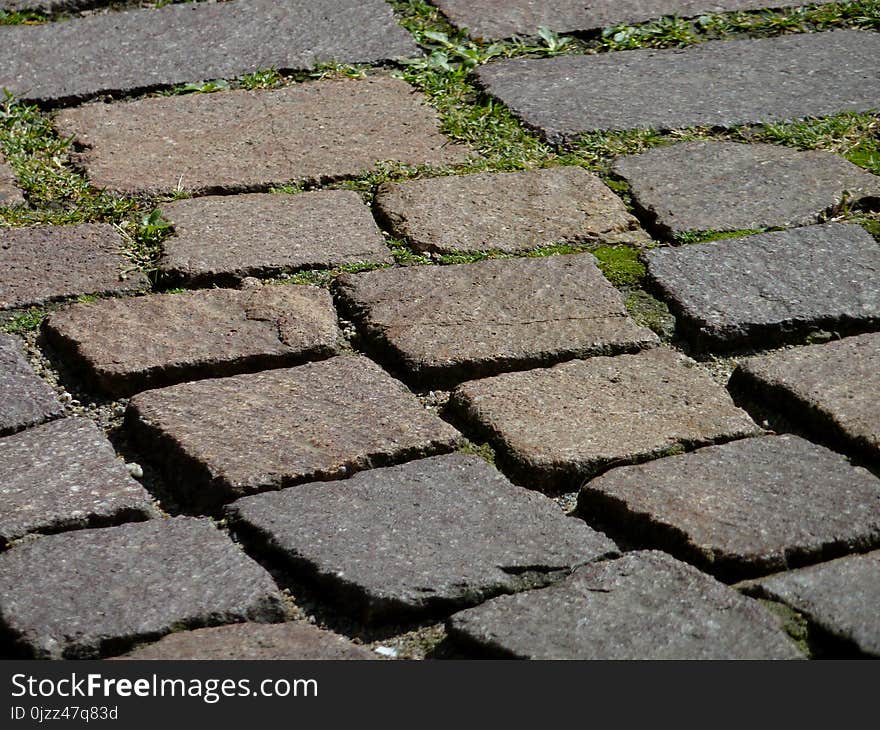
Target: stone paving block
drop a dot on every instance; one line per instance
(718, 83)
(126, 345)
(507, 211)
(772, 287)
(44, 264)
(9, 192)
(226, 238)
(65, 475)
(743, 509)
(645, 605)
(25, 400)
(558, 426)
(92, 593)
(428, 536)
(831, 389)
(452, 323)
(320, 130)
(728, 186)
(225, 438)
(840, 596)
(143, 49)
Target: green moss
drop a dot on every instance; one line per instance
(325, 277)
(650, 312)
(691, 237)
(620, 265)
(27, 321)
(792, 622)
(484, 451)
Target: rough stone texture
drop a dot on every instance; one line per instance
(563, 424)
(313, 131)
(427, 536)
(224, 239)
(719, 83)
(46, 263)
(771, 287)
(126, 345)
(25, 400)
(95, 592)
(728, 186)
(9, 192)
(259, 642)
(645, 605)
(507, 211)
(841, 597)
(746, 508)
(65, 475)
(50, 6)
(222, 439)
(453, 323)
(142, 49)
(832, 389)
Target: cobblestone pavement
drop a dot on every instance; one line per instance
(375, 330)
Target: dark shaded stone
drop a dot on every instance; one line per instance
(319, 130)
(231, 237)
(43, 264)
(561, 425)
(507, 211)
(62, 476)
(427, 536)
(773, 287)
(726, 186)
(718, 83)
(92, 593)
(645, 605)
(142, 49)
(25, 400)
(222, 439)
(9, 192)
(126, 345)
(451, 323)
(50, 6)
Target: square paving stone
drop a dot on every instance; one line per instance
(558, 426)
(62, 476)
(831, 389)
(25, 399)
(44, 264)
(772, 287)
(316, 131)
(143, 49)
(222, 239)
(507, 211)
(425, 537)
(841, 597)
(743, 509)
(645, 605)
(92, 593)
(126, 345)
(225, 438)
(726, 186)
(452, 323)
(9, 192)
(713, 84)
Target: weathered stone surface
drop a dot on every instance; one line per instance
(457, 322)
(831, 389)
(288, 641)
(221, 439)
(95, 592)
(65, 475)
(841, 597)
(771, 287)
(426, 536)
(126, 345)
(50, 6)
(746, 508)
(563, 424)
(313, 131)
(719, 83)
(645, 605)
(507, 211)
(728, 186)
(25, 400)
(142, 49)
(46, 263)
(226, 238)
(9, 192)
